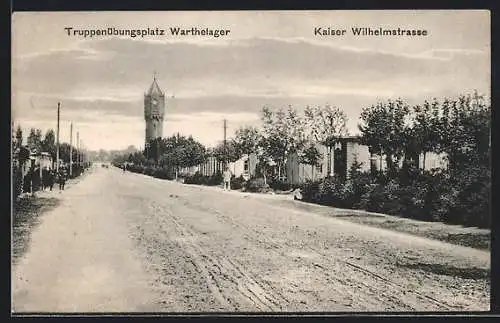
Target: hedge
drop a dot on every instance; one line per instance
(459, 197)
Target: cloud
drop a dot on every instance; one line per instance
(102, 82)
(121, 62)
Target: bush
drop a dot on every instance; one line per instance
(257, 185)
(464, 197)
(163, 173)
(215, 179)
(136, 168)
(196, 178)
(237, 182)
(17, 181)
(455, 197)
(149, 170)
(331, 191)
(199, 179)
(280, 185)
(310, 191)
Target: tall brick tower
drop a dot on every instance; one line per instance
(154, 111)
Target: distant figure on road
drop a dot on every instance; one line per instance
(52, 176)
(124, 167)
(61, 179)
(227, 179)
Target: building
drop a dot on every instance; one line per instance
(336, 160)
(245, 166)
(346, 152)
(154, 111)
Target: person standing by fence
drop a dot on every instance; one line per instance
(227, 179)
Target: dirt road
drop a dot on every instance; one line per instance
(127, 242)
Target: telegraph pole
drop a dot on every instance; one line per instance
(225, 148)
(57, 151)
(71, 149)
(78, 149)
(83, 153)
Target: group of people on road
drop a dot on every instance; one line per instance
(50, 177)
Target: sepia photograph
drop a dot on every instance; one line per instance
(251, 161)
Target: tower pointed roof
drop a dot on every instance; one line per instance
(154, 89)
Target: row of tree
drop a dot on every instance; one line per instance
(460, 128)
(36, 142)
(284, 132)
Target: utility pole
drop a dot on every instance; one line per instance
(82, 147)
(225, 148)
(57, 151)
(78, 149)
(71, 149)
(82, 160)
(81, 153)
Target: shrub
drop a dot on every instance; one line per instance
(199, 179)
(196, 179)
(362, 184)
(163, 173)
(136, 168)
(330, 192)
(215, 179)
(149, 170)
(17, 181)
(257, 185)
(464, 197)
(310, 191)
(237, 182)
(280, 185)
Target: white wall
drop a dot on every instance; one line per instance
(360, 153)
(433, 160)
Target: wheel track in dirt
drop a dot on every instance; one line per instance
(219, 270)
(327, 259)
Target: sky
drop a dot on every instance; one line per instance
(269, 58)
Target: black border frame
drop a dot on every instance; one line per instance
(149, 5)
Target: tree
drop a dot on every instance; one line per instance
(284, 134)
(64, 149)
(35, 139)
(136, 158)
(326, 125)
(48, 143)
(19, 136)
(155, 148)
(179, 151)
(310, 156)
(246, 140)
(423, 136)
(265, 157)
(383, 130)
(230, 154)
(464, 131)
(195, 151)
